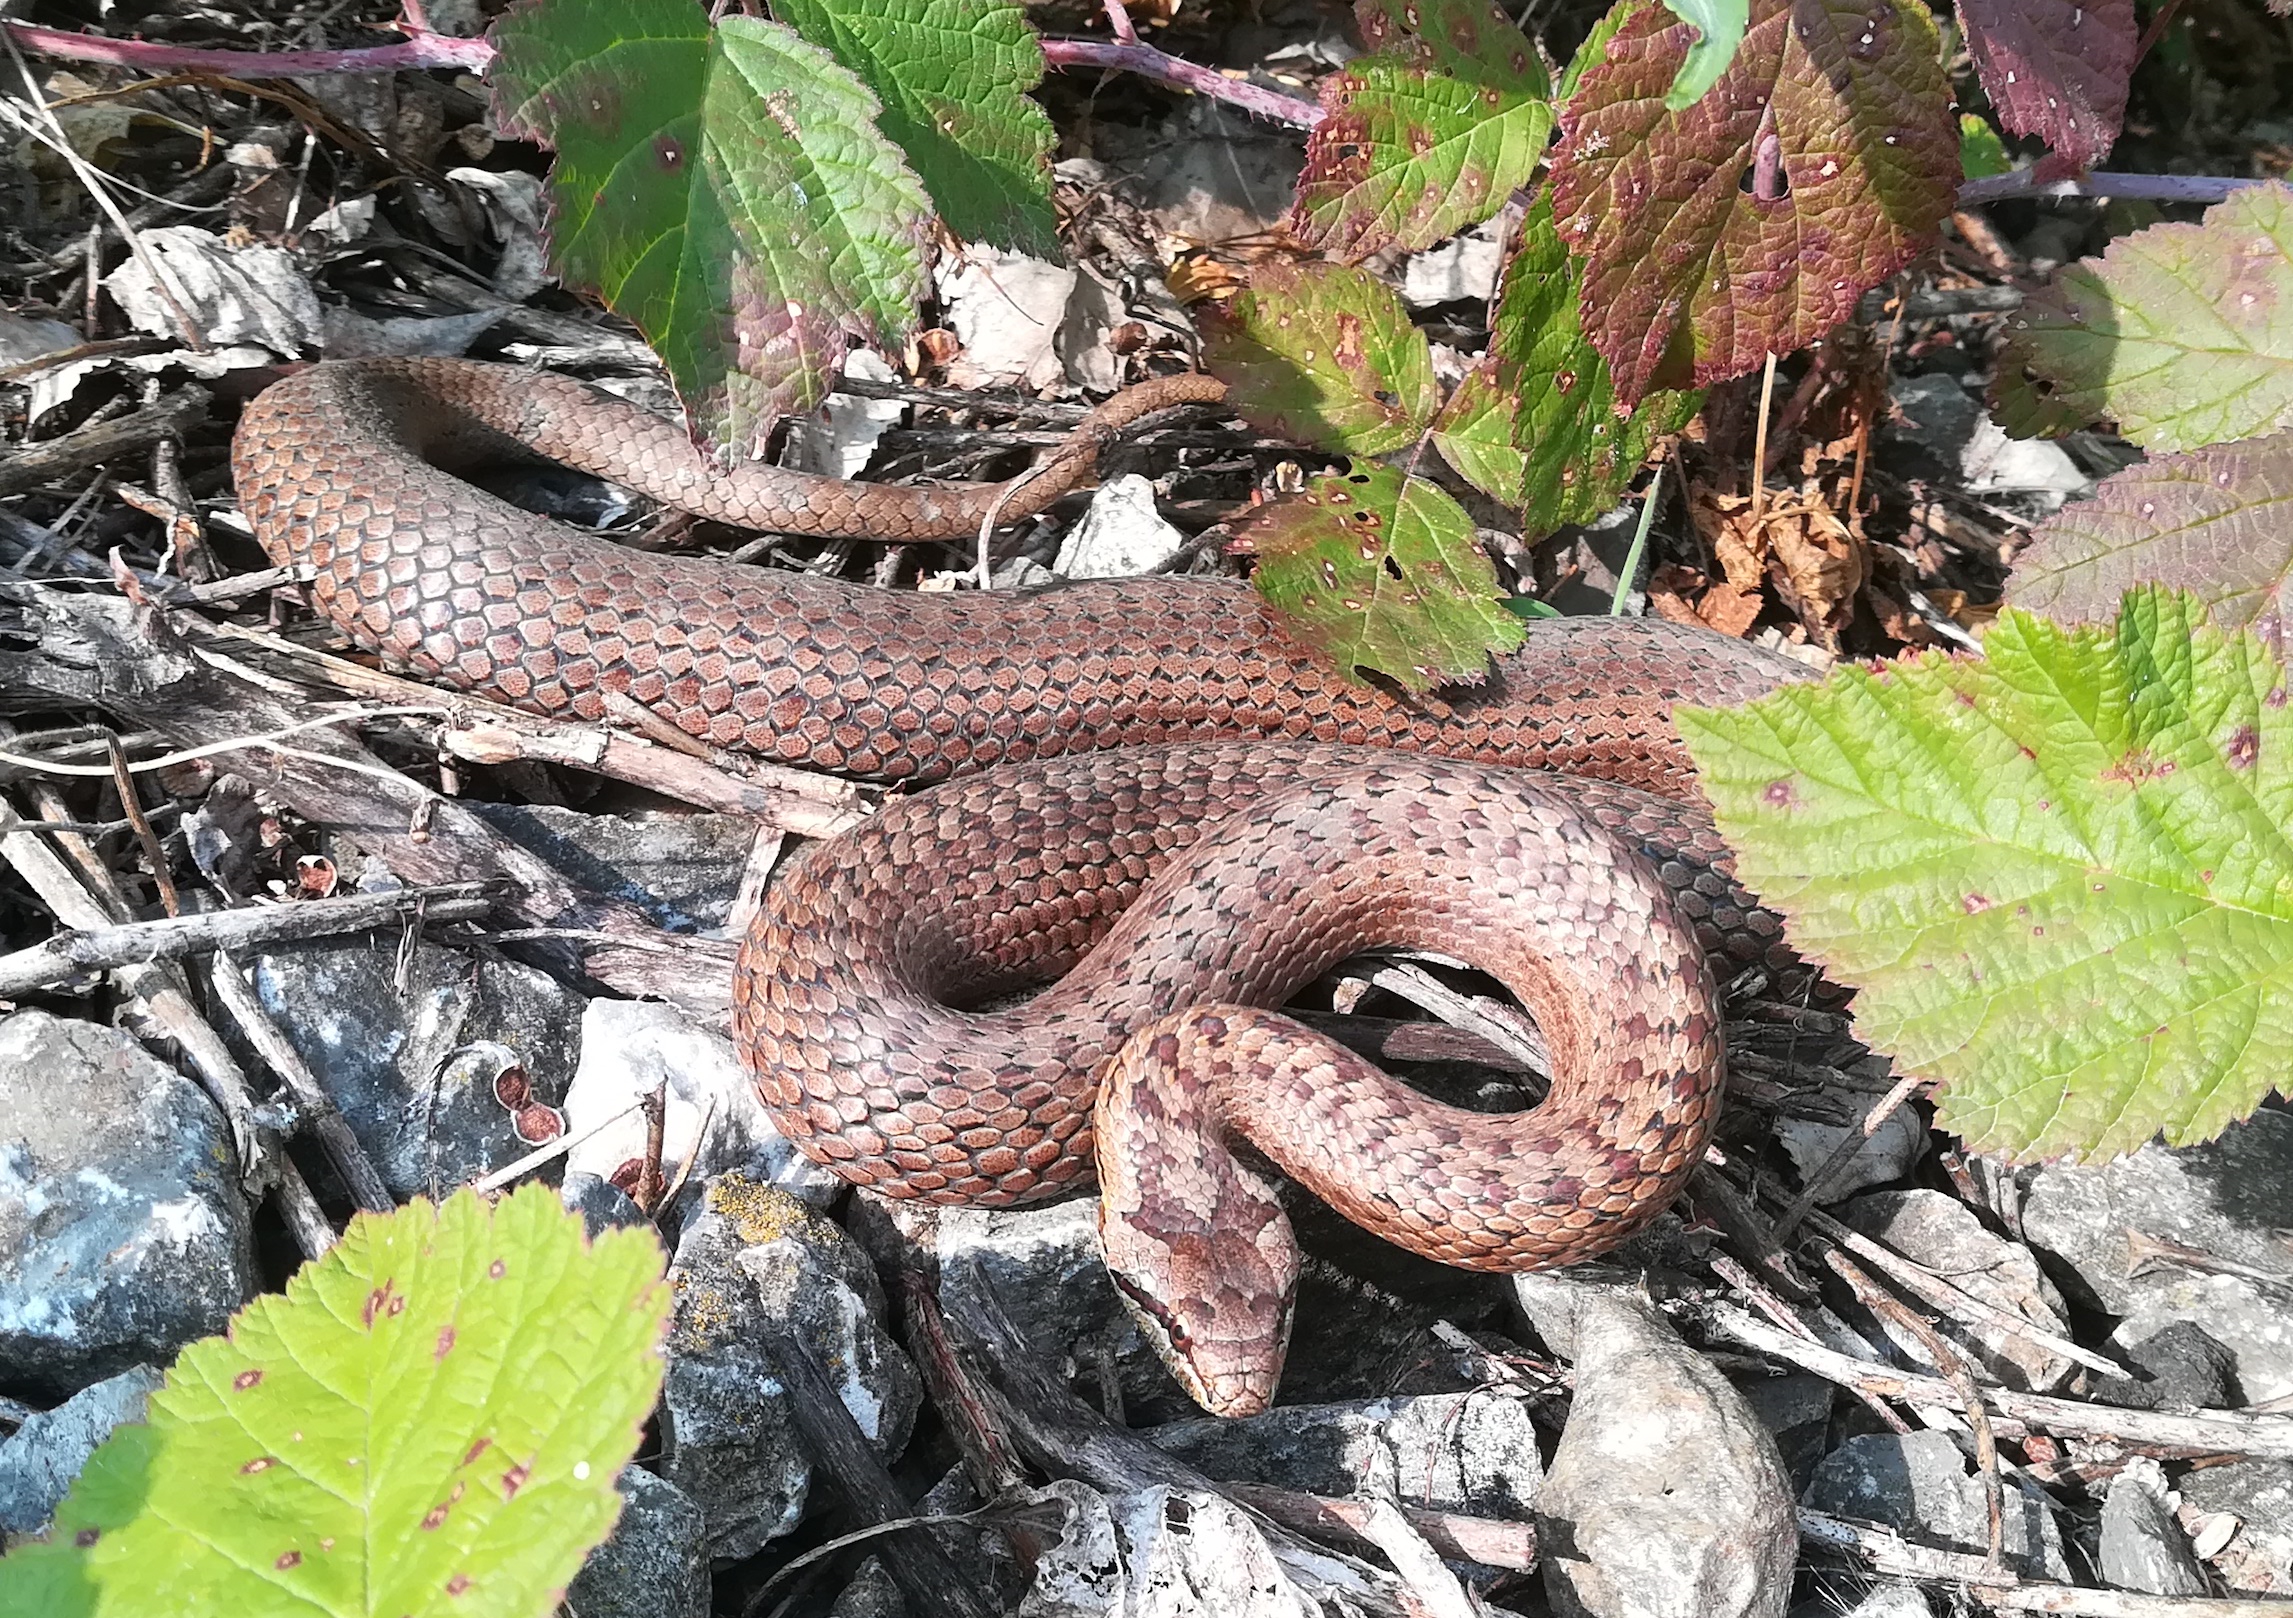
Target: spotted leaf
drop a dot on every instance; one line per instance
(725, 189)
(2058, 875)
(1382, 573)
(1443, 119)
(1823, 160)
(427, 1423)
(2057, 69)
(1325, 355)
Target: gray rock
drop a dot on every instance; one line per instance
(39, 1464)
(123, 1234)
(2227, 1199)
(871, 1594)
(754, 1262)
(1156, 1551)
(1666, 1497)
(1942, 1234)
(682, 870)
(1921, 1483)
(1796, 1408)
(2142, 1546)
(414, 1073)
(2186, 1366)
(1940, 417)
(2258, 1560)
(1888, 1153)
(655, 1563)
(1474, 1453)
(603, 1206)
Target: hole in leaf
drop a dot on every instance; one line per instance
(1392, 567)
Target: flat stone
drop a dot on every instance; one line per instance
(2142, 1547)
(681, 870)
(414, 1072)
(41, 1462)
(1921, 1484)
(123, 1233)
(2228, 1200)
(654, 1564)
(1942, 1234)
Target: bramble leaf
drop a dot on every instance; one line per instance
(1384, 573)
(1981, 153)
(2218, 522)
(1720, 29)
(725, 189)
(427, 1423)
(1427, 134)
(2058, 876)
(1575, 453)
(1323, 354)
(2182, 334)
(1823, 161)
(953, 76)
(2057, 69)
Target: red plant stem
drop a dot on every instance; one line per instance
(427, 50)
(418, 51)
(1164, 68)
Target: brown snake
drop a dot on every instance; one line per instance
(1178, 706)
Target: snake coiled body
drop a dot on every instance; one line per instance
(1202, 822)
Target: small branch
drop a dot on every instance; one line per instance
(2207, 1432)
(1890, 1553)
(1164, 68)
(99, 949)
(419, 51)
(36, 464)
(2203, 188)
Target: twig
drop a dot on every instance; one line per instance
(1892, 1554)
(1843, 1153)
(99, 949)
(510, 1173)
(53, 458)
(2195, 188)
(421, 50)
(1486, 1540)
(2203, 1432)
(1954, 1368)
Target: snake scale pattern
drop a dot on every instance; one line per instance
(1151, 795)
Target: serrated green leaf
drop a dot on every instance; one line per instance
(1575, 453)
(1981, 153)
(1383, 573)
(2217, 522)
(953, 76)
(1591, 53)
(1325, 355)
(1427, 134)
(1697, 266)
(427, 1423)
(725, 189)
(1719, 26)
(2058, 876)
(2182, 334)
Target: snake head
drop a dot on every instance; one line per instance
(1211, 1282)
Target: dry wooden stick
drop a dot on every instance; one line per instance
(69, 954)
(2202, 1432)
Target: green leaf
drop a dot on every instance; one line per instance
(1981, 153)
(1323, 354)
(1383, 573)
(429, 1422)
(1823, 161)
(1573, 452)
(953, 76)
(1591, 53)
(2217, 522)
(724, 189)
(2182, 334)
(2058, 875)
(1427, 134)
(1719, 26)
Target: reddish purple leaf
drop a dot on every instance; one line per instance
(1823, 161)
(2057, 69)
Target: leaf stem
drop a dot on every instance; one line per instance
(1164, 68)
(1631, 568)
